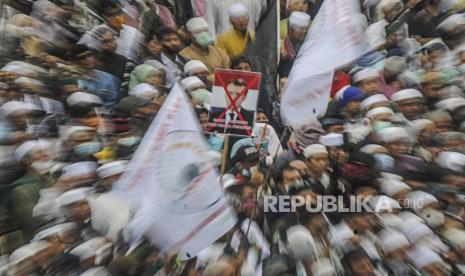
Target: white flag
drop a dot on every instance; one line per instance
(173, 190)
(336, 38)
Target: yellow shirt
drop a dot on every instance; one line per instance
(234, 42)
(213, 58)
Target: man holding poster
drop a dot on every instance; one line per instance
(234, 102)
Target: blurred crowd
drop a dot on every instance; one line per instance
(81, 81)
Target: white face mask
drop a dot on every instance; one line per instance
(42, 167)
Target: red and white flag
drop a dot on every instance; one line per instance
(336, 38)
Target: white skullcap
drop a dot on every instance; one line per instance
(417, 200)
(371, 148)
(96, 271)
(83, 97)
(451, 160)
(455, 237)
(55, 230)
(407, 216)
(423, 256)
(237, 10)
(18, 108)
(392, 187)
(323, 267)
(391, 220)
(391, 134)
(365, 74)
(452, 22)
(228, 180)
(193, 65)
(26, 148)
(406, 94)
(379, 110)
(451, 104)
(299, 19)
(27, 251)
(196, 24)
(420, 124)
(433, 217)
(74, 195)
(75, 129)
(23, 68)
(387, 175)
(27, 80)
(314, 149)
(192, 82)
(332, 140)
(300, 242)
(79, 168)
(144, 90)
(368, 102)
(414, 230)
(432, 43)
(391, 240)
(89, 248)
(340, 234)
(112, 168)
(382, 203)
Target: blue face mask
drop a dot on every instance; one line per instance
(89, 148)
(216, 142)
(384, 162)
(129, 141)
(379, 126)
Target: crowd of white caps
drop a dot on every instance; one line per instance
(81, 81)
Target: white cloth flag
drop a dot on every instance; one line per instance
(173, 190)
(336, 38)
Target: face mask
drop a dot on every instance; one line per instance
(246, 173)
(86, 149)
(204, 38)
(129, 141)
(384, 162)
(201, 96)
(42, 167)
(379, 126)
(298, 183)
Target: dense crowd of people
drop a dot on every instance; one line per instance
(81, 82)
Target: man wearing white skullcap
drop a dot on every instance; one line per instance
(24, 194)
(195, 68)
(368, 80)
(424, 130)
(377, 100)
(291, 6)
(235, 41)
(110, 172)
(202, 47)
(145, 90)
(297, 31)
(217, 13)
(317, 161)
(409, 102)
(398, 142)
(395, 247)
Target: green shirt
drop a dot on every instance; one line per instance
(23, 195)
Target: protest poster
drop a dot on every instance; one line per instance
(234, 102)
